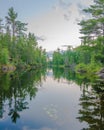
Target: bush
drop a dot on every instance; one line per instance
(82, 68)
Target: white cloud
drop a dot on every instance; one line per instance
(86, 3)
(44, 128)
(59, 25)
(40, 38)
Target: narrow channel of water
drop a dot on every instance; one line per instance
(51, 100)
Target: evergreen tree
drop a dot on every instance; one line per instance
(11, 20)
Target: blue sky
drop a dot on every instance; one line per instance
(54, 22)
(26, 8)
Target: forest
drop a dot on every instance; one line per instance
(18, 49)
(89, 56)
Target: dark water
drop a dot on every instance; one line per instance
(54, 99)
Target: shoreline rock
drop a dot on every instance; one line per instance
(6, 68)
(101, 73)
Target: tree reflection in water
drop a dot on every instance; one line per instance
(14, 88)
(92, 106)
(91, 100)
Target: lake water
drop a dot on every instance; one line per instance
(55, 99)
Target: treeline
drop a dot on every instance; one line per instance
(89, 56)
(17, 48)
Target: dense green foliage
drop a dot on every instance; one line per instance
(90, 54)
(17, 47)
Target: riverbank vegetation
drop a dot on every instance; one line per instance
(89, 56)
(17, 48)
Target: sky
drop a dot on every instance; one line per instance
(54, 22)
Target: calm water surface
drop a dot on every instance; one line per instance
(50, 100)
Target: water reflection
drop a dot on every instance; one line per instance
(91, 99)
(15, 88)
(61, 73)
(92, 106)
(63, 100)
